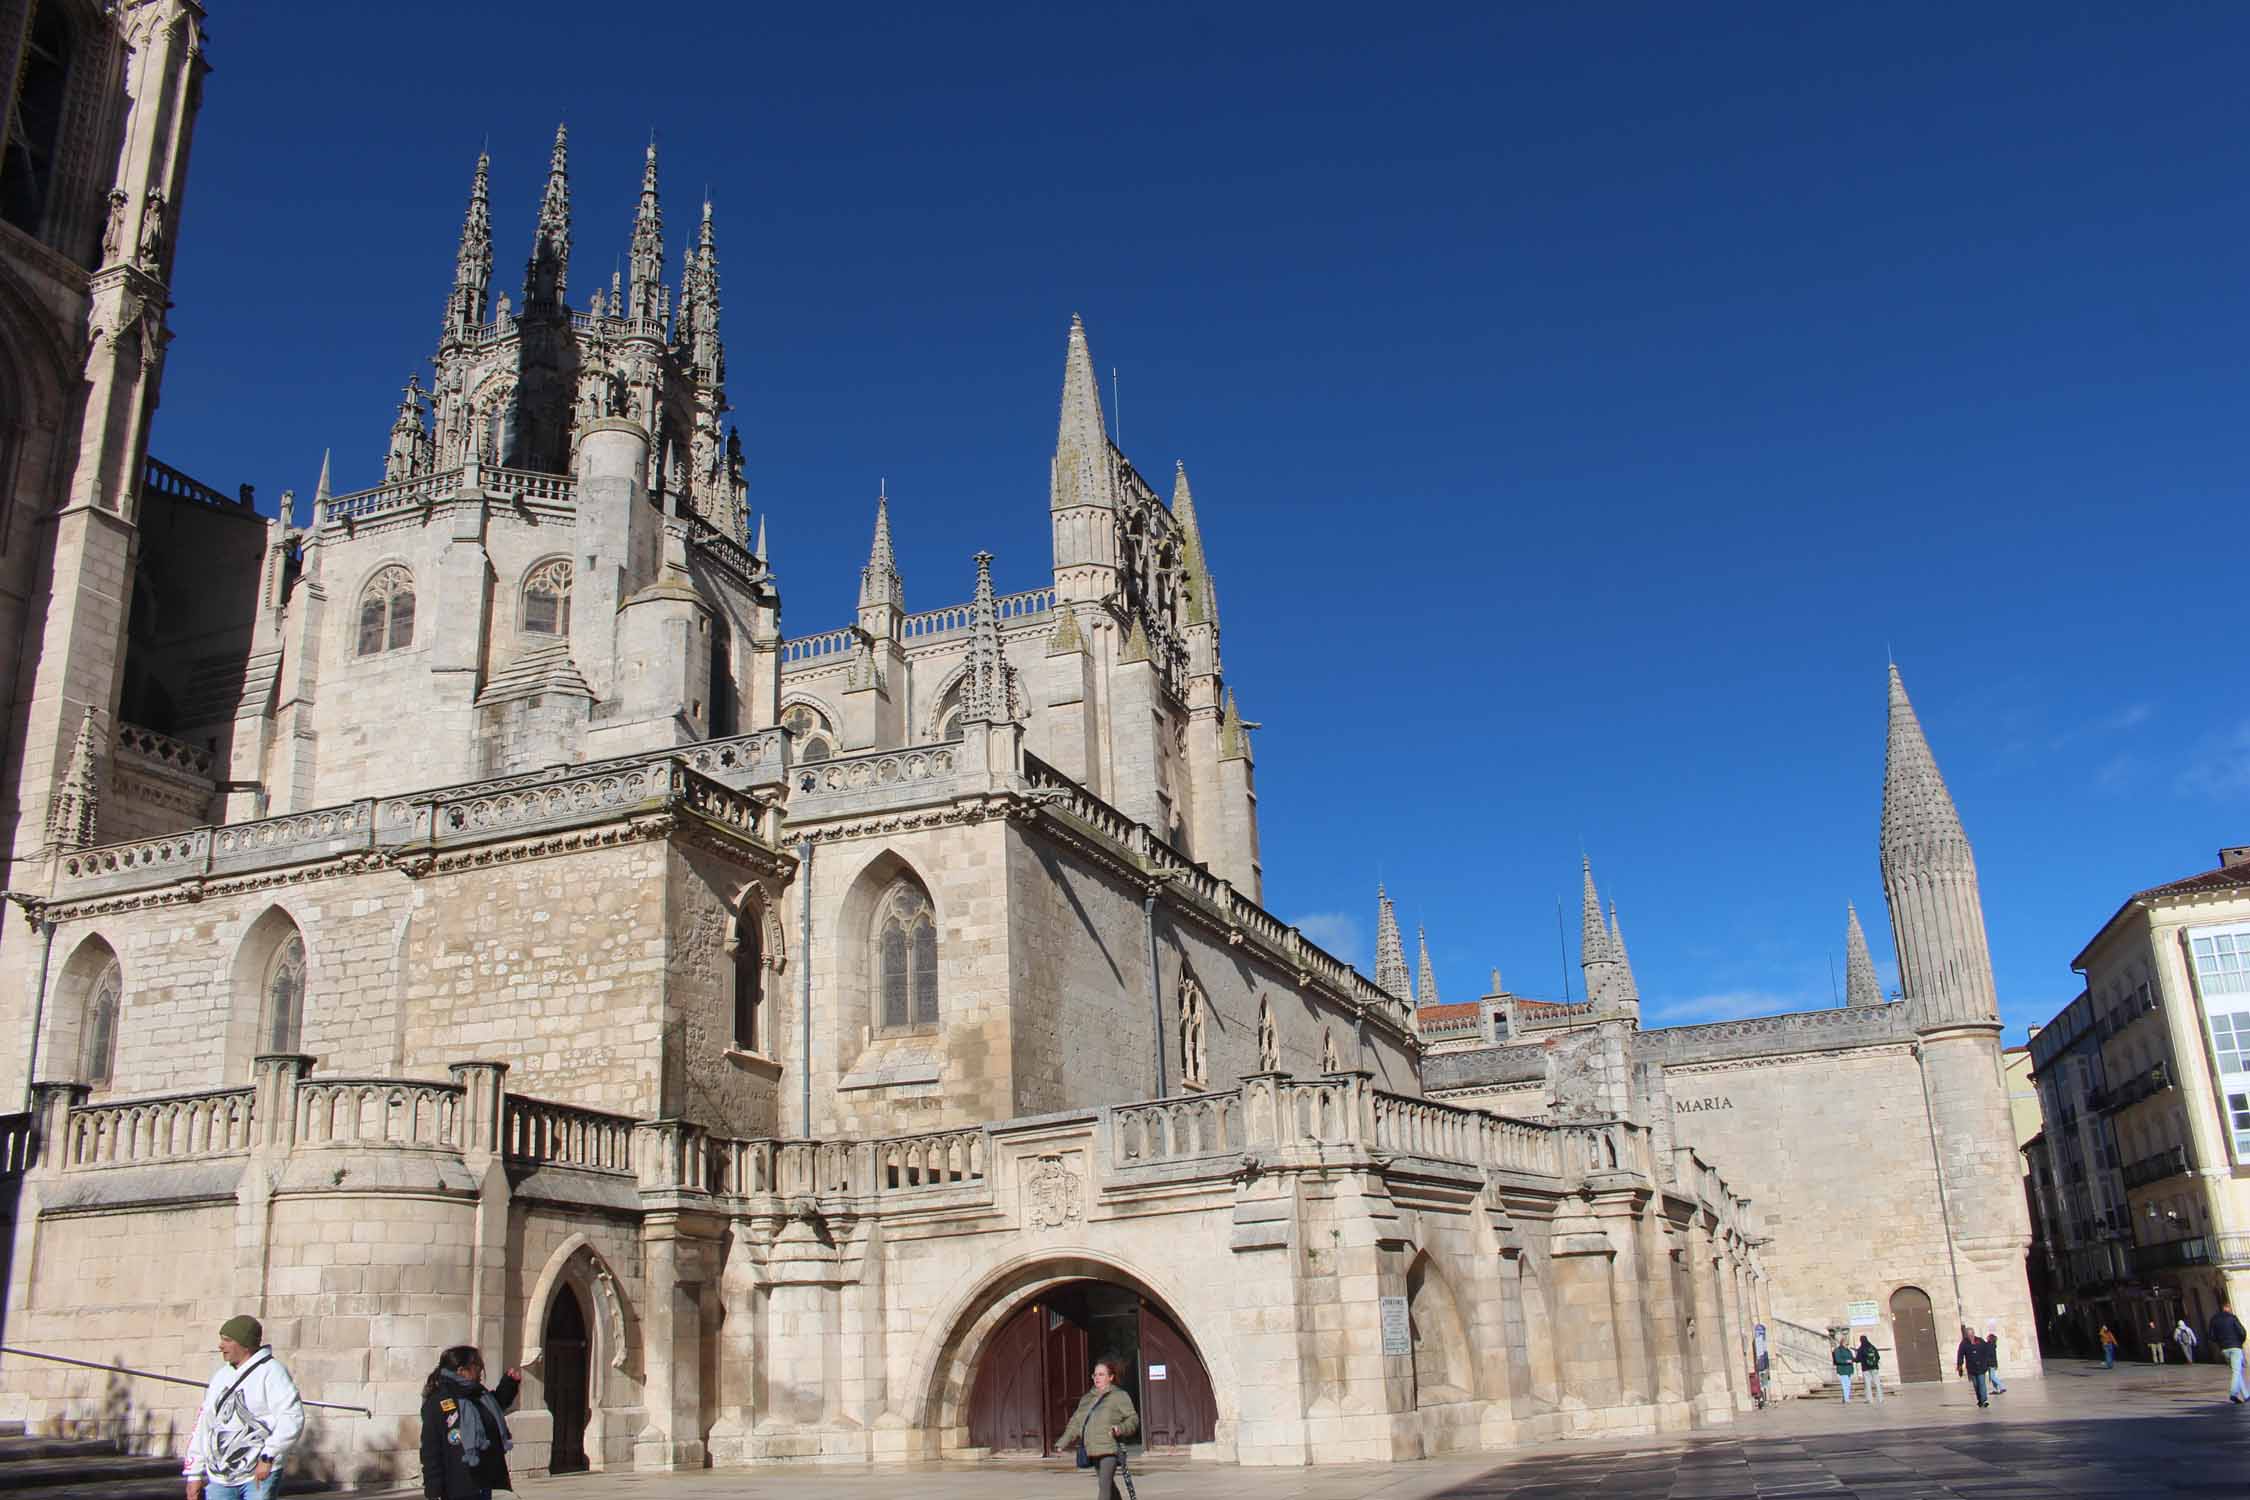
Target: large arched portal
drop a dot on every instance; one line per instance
(1035, 1367)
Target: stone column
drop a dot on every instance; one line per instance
(803, 1364)
(740, 1348)
(676, 1260)
(1734, 1333)
(483, 1108)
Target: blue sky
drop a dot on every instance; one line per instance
(1580, 401)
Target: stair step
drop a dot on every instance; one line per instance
(114, 1469)
(17, 1446)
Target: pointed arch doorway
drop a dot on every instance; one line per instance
(567, 1361)
(1034, 1369)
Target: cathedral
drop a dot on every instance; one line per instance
(459, 911)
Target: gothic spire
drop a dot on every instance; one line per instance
(879, 582)
(1919, 819)
(1425, 982)
(72, 818)
(1627, 987)
(1593, 932)
(1930, 879)
(320, 486)
(984, 690)
(1083, 471)
(1391, 976)
(1234, 736)
(546, 276)
(472, 266)
(1198, 600)
(1861, 987)
(644, 297)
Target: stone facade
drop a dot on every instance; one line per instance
(508, 935)
(1875, 1139)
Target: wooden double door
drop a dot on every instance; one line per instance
(1039, 1364)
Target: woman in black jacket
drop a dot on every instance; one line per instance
(465, 1439)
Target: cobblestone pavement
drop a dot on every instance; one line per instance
(2079, 1434)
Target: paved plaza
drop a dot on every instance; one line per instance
(2080, 1434)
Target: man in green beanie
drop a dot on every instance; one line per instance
(251, 1418)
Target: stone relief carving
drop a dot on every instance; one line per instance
(1051, 1196)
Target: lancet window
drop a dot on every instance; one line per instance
(102, 1005)
(386, 612)
(906, 981)
(1192, 1053)
(285, 996)
(815, 737)
(546, 599)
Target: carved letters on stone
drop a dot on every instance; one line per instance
(1051, 1199)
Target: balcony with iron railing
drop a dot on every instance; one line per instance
(2145, 1085)
(2170, 1162)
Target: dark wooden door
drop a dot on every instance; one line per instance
(1914, 1330)
(1069, 1371)
(1177, 1405)
(566, 1363)
(1008, 1401)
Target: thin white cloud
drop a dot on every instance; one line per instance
(2131, 716)
(2219, 765)
(1338, 932)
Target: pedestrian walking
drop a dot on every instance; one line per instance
(2109, 1348)
(251, 1418)
(1968, 1359)
(1103, 1420)
(1992, 1365)
(1842, 1356)
(1870, 1369)
(2184, 1337)
(2226, 1337)
(2155, 1343)
(465, 1437)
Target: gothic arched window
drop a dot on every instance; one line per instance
(1269, 1038)
(816, 738)
(906, 984)
(546, 599)
(1191, 1035)
(284, 991)
(949, 715)
(386, 611)
(102, 1003)
(34, 127)
(749, 979)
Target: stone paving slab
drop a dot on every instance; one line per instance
(2081, 1434)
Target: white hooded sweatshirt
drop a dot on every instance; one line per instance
(251, 1413)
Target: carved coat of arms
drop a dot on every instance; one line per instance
(1051, 1196)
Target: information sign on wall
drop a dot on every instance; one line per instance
(1398, 1334)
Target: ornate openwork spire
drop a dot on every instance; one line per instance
(71, 820)
(409, 453)
(472, 266)
(1425, 978)
(698, 330)
(984, 690)
(547, 276)
(1930, 878)
(1861, 987)
(1391, 975)
(644, 294)
(879, 582)
(1234, 735)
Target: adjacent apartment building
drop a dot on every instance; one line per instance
(2145, 1088)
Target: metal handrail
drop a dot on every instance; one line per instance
(87, 1364)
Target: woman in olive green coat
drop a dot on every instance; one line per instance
(1105, 1417)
